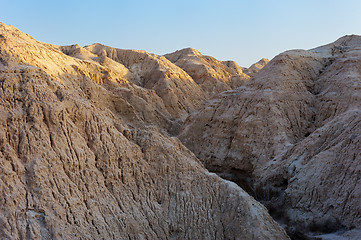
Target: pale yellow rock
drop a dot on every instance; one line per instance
(256, 67)
(291, 137)
(212, 75)
(84, 154)
(180, 94)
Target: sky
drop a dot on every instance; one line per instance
(243, 31)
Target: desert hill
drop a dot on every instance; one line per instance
(212, 75)
(291, 137)
(256, 67)
(100, 142)
(86, 151)
(181, 87)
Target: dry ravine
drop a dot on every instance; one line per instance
(291, 137)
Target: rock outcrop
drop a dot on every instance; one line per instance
(179, 92)
(291, 137)
(212, 75)
(84, 154)
(255, 68)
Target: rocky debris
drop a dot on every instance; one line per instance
(80, 160)
(212, 75)
(291, 137)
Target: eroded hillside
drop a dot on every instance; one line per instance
(85, 152)
(89, 143)
(291, 137)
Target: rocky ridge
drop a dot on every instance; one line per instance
(212, 75)
(181, 87)
(291, 137)
(179, 92)
(85, 153)
(256, 67)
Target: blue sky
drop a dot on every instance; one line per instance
(244, 31)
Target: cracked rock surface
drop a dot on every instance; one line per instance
(85, 152)
(291, 137)
(212, 75)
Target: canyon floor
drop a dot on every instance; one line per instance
(104, 143)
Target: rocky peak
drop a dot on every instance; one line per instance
(211, 74)
(78, 52)
(351, 41)
(232, 64)
(186, 52)
(256, 67)
(340, 46)
(179, 92)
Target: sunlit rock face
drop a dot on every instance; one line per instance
(255, 68)
(212, 75)
(86, 152)
(291, 137)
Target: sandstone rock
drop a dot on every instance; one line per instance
(136, 102)
(255, 68)
(80, 160)
(212, 75)
(246, 127)
(239, 77)
(291, 137)
(180, 94)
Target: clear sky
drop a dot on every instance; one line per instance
(244, 31)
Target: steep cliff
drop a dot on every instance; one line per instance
(291, 137)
